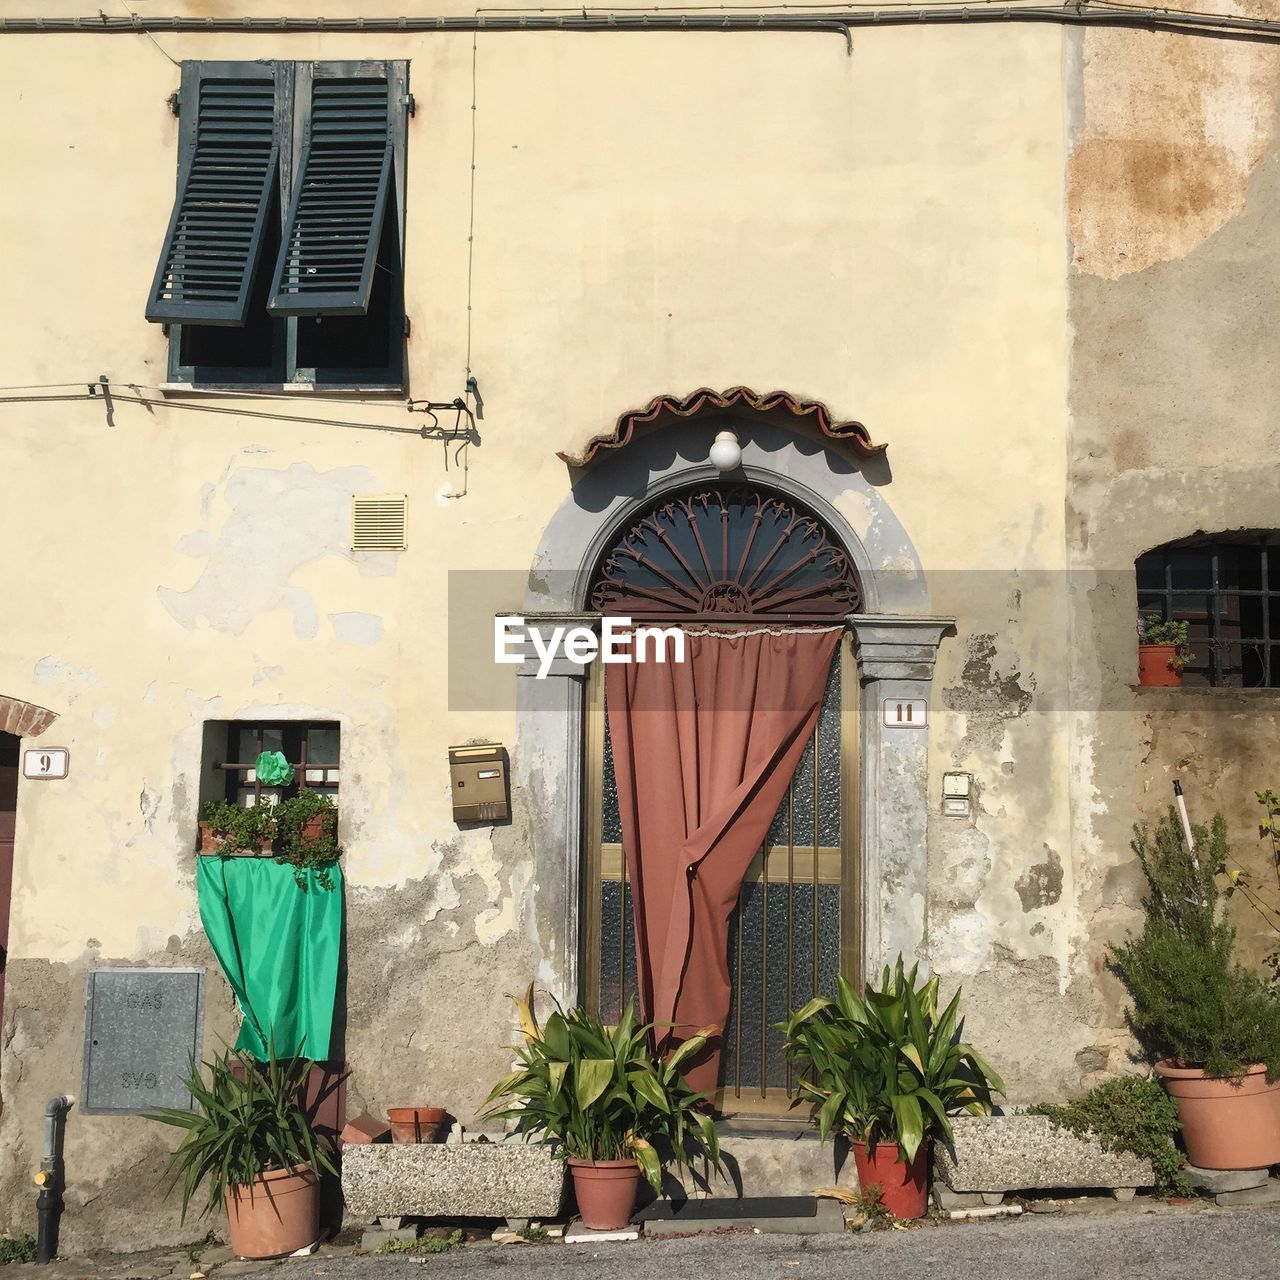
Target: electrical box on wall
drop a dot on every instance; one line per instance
(956, 791)
(478, 775)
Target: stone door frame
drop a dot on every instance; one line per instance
(895, 643)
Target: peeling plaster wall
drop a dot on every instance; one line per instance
(1171, 130)
(1172, 190)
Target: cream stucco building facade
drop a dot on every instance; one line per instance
(1032, 259)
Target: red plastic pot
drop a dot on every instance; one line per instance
(415, 1124)
(1226, 1125)
(1157, 666)
(902, 1187)
(606, 1192)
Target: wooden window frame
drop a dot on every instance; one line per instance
(284, 372)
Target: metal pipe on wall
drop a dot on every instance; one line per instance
(49, 1178)
(842, 22)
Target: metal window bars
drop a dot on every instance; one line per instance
(242, 782)
(1224, 591)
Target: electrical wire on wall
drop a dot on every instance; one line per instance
(102, 390)
(133, 16)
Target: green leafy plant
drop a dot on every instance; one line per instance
(301, 829)
(1193, 1002)
(238, 826)
(17, 1249)
(423, 1244)
(302, 847)
(533, 1231)
(1129, 1113)
(249, 1119)
(1157, 630)
(870, 1213)
(1265, 900)
(884, 1066)
(599, 1093)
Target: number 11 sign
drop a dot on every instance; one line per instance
(46, 763)
(906, 713)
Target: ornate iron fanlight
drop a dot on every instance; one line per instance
(716, 552)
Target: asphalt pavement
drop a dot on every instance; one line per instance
(1214, 1244)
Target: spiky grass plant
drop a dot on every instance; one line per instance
(249, 1120)
(884, 1066)
(599, 1092)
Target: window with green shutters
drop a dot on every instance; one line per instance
(283, 258)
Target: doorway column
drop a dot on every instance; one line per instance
(547, 772)
(895, 656)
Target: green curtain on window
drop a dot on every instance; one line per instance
(280, 948)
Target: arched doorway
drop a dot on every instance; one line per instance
(893, 636)
(739, 556)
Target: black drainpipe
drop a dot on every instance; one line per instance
(49, 1179)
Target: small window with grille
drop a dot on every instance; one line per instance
(1226, 588)
(232, 748)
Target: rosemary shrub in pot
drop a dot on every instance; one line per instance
(614, 1110)
(250, 1142)
(887, 1070)
(1211, 1026)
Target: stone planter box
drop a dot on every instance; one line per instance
(995, 1154)
(451, 1180)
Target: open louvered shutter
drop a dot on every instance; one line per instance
(339, 200)
(231, 145)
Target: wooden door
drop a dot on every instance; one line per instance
(7, 819)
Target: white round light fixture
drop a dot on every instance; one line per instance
(726, 452)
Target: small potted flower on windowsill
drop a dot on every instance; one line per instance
(301, 831)
(1162, 652)
(306, 830)
(230, 830)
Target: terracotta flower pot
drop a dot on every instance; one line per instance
(281, 1216)
(902, 1186)
(211, 844)
(415, 1124)
(1226, 1125)
(606, 1191)
(1157, 667)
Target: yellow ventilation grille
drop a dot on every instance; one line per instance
(377, 522)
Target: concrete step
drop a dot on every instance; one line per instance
(695, 1217)
(768, 1161)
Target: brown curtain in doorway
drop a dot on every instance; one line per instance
(704, 750)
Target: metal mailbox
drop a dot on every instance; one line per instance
(142, 1027)
(478, 775)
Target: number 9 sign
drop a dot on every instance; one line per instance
(46, 763)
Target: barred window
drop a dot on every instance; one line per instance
(232, 749)
(1226, 588)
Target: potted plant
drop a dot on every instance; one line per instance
(1162, 652)
(886, 1070)
(306, 831)
(250, 1141)
(301, 831)
(231, 830)
(612, 1108)
(1211, 1026)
